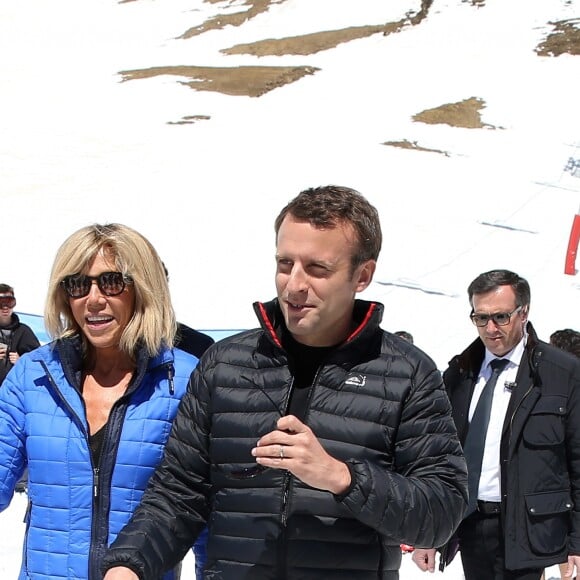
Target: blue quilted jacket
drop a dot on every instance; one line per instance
(76, 509)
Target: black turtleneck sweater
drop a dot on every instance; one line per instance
(304, 362)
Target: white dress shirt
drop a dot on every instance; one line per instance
(489, 481)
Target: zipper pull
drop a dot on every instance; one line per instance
(96, 482)
(170, 375)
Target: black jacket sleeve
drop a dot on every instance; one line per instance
(26, 340)
(174, 508)
(422, 502)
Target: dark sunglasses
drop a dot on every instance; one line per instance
(109, 283)
(499, 318)
(7, 302)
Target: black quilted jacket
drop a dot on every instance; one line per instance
(378, 404)
(540, 450)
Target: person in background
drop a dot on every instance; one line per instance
(188, 339)
(191, 340)
(15, 338)
(566, 339)
(405, 335)
(516, 404)
(89, 413)
(313, 445)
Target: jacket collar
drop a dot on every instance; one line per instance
(69, 352)
(470, 360)
(367, 317)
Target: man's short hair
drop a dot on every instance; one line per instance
(567, 339)
(331, 205)
(493, 279)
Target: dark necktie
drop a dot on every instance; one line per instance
(475, 440)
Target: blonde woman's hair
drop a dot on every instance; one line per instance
(153, 322)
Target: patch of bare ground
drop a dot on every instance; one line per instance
(565, 39)
(406, 144)
(465, 114)
(318, 41)
(250, 81)
(255, 81)
(220, 21)
(308, 43)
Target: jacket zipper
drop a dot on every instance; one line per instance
(102, 486)
(288, 481)
(516, 410)
(98, 494)
(27, 516)
(170, 375)
(95, 482)
(76, 418)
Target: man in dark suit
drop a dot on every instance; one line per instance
(521, 437)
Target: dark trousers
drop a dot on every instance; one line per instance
(482, 551)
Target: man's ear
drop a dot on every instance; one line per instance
(525, 312)
(364, 274)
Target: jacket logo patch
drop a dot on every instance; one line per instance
(356, 380)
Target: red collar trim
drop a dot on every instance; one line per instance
(269, 325)
(364, 322)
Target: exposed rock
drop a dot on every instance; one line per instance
(464, 114)
(250, 81)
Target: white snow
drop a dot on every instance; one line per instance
(79, 146)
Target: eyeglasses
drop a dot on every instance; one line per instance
(499, 318)
(109, 283)
(7, 302)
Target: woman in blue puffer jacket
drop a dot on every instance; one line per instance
(89, 413)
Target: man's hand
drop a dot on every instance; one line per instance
(425, 559)
(120, 573)
(294, 447)
(13, 356)
(573, 562)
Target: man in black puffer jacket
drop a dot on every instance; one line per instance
(315, 445)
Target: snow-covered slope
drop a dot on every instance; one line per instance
(450, 116)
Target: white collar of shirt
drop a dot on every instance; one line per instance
(514, 356)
